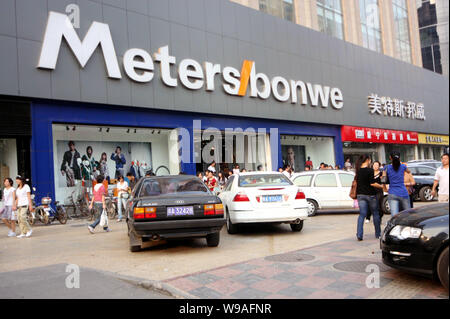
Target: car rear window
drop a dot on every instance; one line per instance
(166, 186)
(304, 180)
(264, 180)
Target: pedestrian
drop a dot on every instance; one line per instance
(122, 196)
(394, 175)
(286, 171)
(260, 168)
(120, 161)
(8, 215)
(211, 182)
(222, 180)
(212, 167)
(131, 181)
(322, 166)
(409, 183)
(347, 164)
(309, 162)
(23, 205)
(307, 168)
(98, 203)
(377, 173)
(280, 169)
(236, 169)
(366, 196)
(441, 179)
(244, 170)
(200, 175)
(337, 167)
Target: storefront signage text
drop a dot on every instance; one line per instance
(139, 66)
(433, 139)
(396, 108)
(372, 135)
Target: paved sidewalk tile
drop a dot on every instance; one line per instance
(314, 279)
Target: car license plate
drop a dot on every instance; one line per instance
(272, 199)
(180, 211)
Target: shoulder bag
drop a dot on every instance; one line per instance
(353, 189)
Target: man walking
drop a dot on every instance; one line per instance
(441, 178)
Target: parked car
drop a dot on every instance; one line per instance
(165, 207)
(263, 197)
(431, 163)
(416, 241)
(424, 177)
(325, 189)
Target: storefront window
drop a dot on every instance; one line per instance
(248, 149)
(353, 150)
(8, 159)
(406, 152)
(297, 150)
(83, 152)
(329, 13)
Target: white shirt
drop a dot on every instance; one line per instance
(122, 186)
(287, 174)
(8, 197)
(212, 169)
(21, 194)
(236, 171)
(442, 177)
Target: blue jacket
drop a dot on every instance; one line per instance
(120, 161)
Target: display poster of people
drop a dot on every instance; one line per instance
(294, 155)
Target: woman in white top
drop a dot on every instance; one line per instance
(122, 194)
(9, 197)
(22, 205)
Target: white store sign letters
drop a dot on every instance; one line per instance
(139, 66)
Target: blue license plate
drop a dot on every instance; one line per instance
(272, 199)
(180, 211)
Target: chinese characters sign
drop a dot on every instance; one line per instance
(373, 135)
(396, 108)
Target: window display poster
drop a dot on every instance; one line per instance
(84, 160)
(294, 155)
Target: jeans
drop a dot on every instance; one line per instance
(368, 203)
(98, 207)
(397, 204)
(121, 201)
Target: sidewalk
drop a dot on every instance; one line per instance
(333, 270)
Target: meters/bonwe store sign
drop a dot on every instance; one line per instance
(139, 66)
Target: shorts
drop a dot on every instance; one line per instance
(8, 213)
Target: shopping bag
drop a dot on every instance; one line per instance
(355, 204)
(104, 219)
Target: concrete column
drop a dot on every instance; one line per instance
(381, 153)
(352, 22)
(416, 152)
(306, 13)
(387, 27)
(414, 36)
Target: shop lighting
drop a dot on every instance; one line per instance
(159, 132)
(134, 131)
(153, 132)
(67, 128)
(74, 128)
(107, 130)
(128, 131)
(100, 129)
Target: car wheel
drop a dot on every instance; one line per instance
(312, 207)
(297, 227)
(425, 194)
(442, 268)
(386, 208)
(213, 240)
(231, 228)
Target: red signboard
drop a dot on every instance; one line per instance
(374, 135)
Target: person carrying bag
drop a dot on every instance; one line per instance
(98, 199)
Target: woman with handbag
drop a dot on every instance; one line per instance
(366, 195)
(377, 176)
(98, 201)
(394, 175)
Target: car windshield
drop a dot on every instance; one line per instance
(167, 186)
(264, 180)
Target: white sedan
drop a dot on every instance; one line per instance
(263, 197)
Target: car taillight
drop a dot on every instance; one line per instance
(219, 209)
(144, 212)
(241, 197)
(208, 209)
(300, 195)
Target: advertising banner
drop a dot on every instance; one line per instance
(373, 135)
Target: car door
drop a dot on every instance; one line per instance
(325, 188)
(304, 182)
(345, 180)
(226, 193)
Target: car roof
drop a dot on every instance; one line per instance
(325, 171)
(421, 165)
(258, 173)
(424, 161)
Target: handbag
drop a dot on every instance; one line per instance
(353, 189)
(104, 219)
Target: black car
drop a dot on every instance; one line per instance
(431, 163)
(416, 241)
(166, 207)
